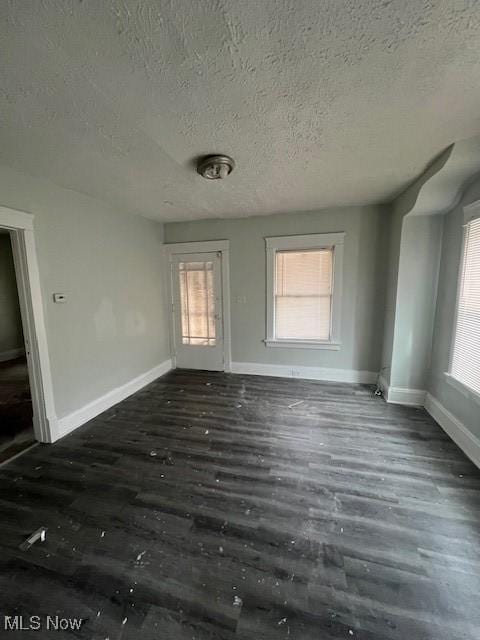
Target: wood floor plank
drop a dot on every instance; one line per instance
(221, 506)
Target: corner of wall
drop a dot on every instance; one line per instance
(431, 193)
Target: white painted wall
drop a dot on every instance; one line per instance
(109, 264)
(363, 285)
(11, 335)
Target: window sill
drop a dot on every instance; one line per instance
(302, 344)
(462, 388)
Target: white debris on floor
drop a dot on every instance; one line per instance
(295, 404)
(39, 534)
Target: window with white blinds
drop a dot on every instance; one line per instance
(465, 363)
(303, 294)
(304, 290)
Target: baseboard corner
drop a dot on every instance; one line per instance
(405, 396)
(77, 418)
(458, 432)
(383, 385)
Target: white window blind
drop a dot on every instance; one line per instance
(465, 366)
(303, 294)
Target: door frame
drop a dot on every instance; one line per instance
(20, 226)
(209, 246)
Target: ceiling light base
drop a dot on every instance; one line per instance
(215, 167)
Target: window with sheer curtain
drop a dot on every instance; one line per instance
(304, 279)
(465, 361)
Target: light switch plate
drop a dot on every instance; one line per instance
(59, 297)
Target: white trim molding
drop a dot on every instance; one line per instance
(308, 241)
(408, 397)
(72, 421)
(334, 241)
(471, 211)
(11, 354)
(15, 219)
(457, 431)
(207, 246)
(20, 225)
(309, 373)
(462, 388)
(401, 395)
(303, 344)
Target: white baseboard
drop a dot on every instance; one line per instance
(408, 397)
(457, 431)
(73, 420)
(310, 373)
(401, 395)
(11, 354)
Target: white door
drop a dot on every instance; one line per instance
(198, 310)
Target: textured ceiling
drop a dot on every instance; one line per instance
(320, 102)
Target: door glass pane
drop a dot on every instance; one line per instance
(197, 303)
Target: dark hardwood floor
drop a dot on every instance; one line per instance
(16, 425)
(216, 506)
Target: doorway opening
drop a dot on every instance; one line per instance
(29, 401)
(16, 412)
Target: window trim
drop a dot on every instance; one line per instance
(462, 387)
(333, 241)
(471, 212)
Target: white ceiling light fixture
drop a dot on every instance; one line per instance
(215, 167)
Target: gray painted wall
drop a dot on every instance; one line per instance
(109, 264)
(392, 262)
(421, 193)
(363, 288)
(463, 408)
(420, 248)
(11, 334)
